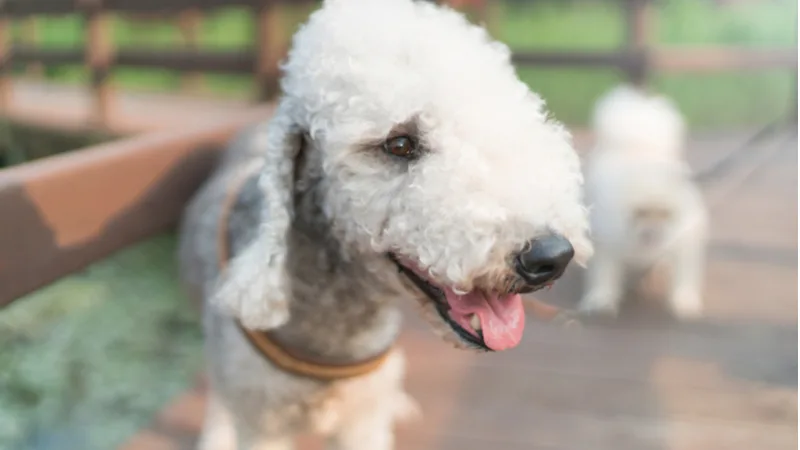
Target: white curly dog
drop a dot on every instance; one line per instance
(405, 160)
(646, 212)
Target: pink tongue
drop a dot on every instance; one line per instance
(502, 317)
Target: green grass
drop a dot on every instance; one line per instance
(89, 360)
(715, 100)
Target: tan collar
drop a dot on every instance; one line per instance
(265, 343)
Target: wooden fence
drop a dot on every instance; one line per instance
(638, 58)
(100, 56)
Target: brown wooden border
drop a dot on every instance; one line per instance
(64, 212)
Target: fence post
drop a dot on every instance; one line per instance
(98, 58)
(792, 116)
(30, 35)
(5, 59)
(640, 16)
(271, 46)
(190, 22)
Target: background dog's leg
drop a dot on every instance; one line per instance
(685, 294)
(370, 433)
(218, 430)
(604, 284)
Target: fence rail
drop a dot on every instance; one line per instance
(638, 58)
(24, 8)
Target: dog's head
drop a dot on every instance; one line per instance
(434, 156)
(640, 125)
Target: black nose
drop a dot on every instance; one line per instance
(544, 259)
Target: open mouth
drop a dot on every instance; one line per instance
(488, 321)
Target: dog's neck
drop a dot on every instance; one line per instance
(342, 308)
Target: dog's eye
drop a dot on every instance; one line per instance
(401, 146)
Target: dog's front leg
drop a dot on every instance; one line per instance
(364, 433)
(604, 284)
(218, 430)
(685, 294)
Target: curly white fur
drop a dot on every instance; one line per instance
(637, 167)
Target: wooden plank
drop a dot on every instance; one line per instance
(178, 59)
(30, 7)
(190, 22)
(640, 18)
(576, 58)
(722, 59)
(673, 60)
(174, 6)
(99, 52)
(64, 212)
(5, 67)
(677, 60)
(271, 46)
(188, 60)
(27, 54)
(67, 107)
(30, 35)
(22, 8)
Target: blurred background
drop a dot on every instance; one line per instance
(100, 349)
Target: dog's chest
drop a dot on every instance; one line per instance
(324, 409)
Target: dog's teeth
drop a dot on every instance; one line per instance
(475, 322)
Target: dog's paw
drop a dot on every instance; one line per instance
(599, 304)
(686, 305)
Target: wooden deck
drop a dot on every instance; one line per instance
(69, 106)
(727, 382)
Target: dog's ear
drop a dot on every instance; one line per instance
(255, 286)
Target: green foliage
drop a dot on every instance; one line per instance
(708, 100)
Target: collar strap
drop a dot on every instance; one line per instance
(263, 341)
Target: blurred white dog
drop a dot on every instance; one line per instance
(646, 212)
